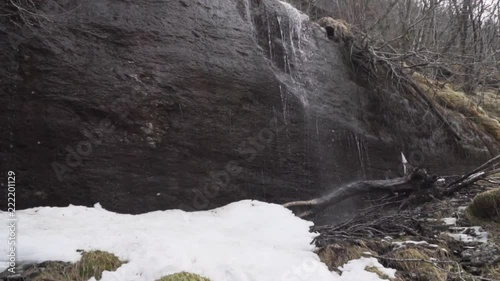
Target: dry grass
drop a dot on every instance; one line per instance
(183, 276)
(92, 264)
(412, 262)
(337, 29)
(417, 270)
(492, 272)
(490, 101)
(457, 101)
(336, 255)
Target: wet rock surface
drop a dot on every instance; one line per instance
(194, 104)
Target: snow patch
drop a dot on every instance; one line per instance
(419, 243)
(469, 234)
(355, 270)
(3, 265)
(243, 241)
(449, 221)
(476, 175)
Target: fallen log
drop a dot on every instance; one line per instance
(417, 180)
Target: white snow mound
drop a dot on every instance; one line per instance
(243, 241)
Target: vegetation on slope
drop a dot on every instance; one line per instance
(378, 63)
(459, 102)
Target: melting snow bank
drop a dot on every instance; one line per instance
(354, 270)
(469, 234)
(246, 240)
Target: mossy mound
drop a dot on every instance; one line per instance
(413, 262)
(336, 255)
(183, 276)
(92, 264)
(486, 206)
(337, 29)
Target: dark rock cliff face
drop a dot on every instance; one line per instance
(147, 105)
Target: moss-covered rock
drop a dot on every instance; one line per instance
(183, 276)
(486, 206)
(92, 264)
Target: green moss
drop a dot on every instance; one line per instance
(92, 264)
(183, 276)
(486, 206)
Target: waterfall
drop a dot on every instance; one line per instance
(290, 25)
(295, 20)
(292, 33)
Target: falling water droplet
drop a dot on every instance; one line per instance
(359, 145)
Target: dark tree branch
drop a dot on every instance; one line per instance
(418, 180)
